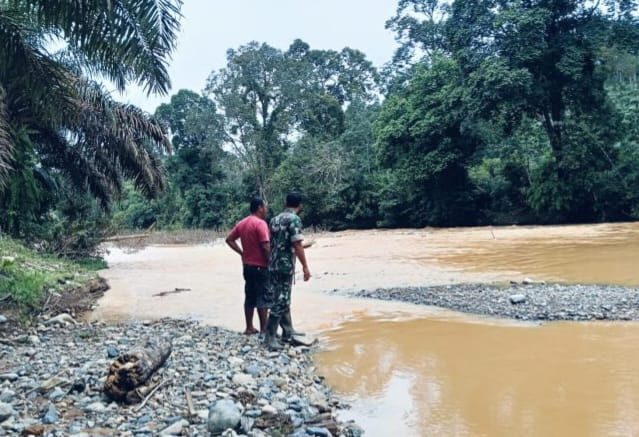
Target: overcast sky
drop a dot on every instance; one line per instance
(211, 27)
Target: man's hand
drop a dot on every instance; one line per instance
(307, 274)
(299, 252)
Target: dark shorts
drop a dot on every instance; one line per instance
(257, 292)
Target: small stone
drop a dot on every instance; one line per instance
(7, 395)
(51, 416)
(8, 377)
(517, 299)
(253, 370)
(318, 432)
(113, 352)
(354, 430)
(97, 407)
(235, 361)
(269, 410)
(52, 383)
(280, 406)
(6, 411)
(175, 429)
(56, 394)
(243, 379)
(223, 414)
(36, 430)
(3, 319)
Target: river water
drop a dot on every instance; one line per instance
(418, 371)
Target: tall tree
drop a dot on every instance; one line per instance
(425, 140)
(541, 59)
(269, 97)
(200, 171)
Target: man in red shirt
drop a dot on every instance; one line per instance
(255, 249)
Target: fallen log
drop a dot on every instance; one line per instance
(125, 237)
(128, 379)
(176, 290)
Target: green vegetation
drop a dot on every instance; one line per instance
(26, 276)
(66, 147)
(491, 112)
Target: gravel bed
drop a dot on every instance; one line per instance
(523, 301)
(215, 382)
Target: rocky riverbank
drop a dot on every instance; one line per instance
(524, 301)
(216, 382)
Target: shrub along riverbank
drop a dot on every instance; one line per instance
(33, 283)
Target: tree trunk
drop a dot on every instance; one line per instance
(130, 372)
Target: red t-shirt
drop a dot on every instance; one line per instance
(252, 232)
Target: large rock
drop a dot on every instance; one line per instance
(223, 414)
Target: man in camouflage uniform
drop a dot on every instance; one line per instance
(286, 245)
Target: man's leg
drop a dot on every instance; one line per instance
(282, 299)
(249, 299)
(264, 298)
(248, 315)
(262, 314)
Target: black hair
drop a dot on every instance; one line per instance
(293, 199)
(256, 203)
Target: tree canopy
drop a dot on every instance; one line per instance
(490, 112)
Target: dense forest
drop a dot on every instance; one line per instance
(490, 112)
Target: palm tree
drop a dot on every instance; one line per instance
(54, 96)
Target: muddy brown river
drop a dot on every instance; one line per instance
(418, 371)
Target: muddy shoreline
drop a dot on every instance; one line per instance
(522, 301)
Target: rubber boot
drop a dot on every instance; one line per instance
(270, 340)
(287, 326)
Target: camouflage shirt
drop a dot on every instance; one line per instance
(286, 229)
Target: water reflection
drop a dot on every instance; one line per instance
(447, 377)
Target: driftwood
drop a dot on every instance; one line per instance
(189, 403)
(126, 237)
(324, 420)
(174, 291)
(129, 377)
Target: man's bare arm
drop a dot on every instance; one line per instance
(298, 247)
(233, 245)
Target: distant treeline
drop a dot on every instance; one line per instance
(491, 112)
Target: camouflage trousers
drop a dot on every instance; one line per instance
(281, 285)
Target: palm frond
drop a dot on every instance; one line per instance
(123, 135)
(6, 141)
(81, 171)
(123, 40)
(30, 76)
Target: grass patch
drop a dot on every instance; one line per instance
(26, 275)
